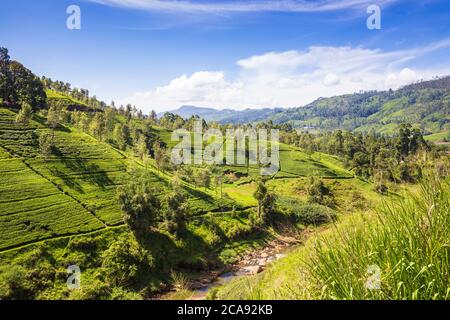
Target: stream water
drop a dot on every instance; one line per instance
(253, 263)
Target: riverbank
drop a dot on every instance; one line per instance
(250, 263)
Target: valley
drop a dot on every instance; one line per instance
(90, 184)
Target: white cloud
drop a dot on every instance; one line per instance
(331, 79)
(241, 6)
(403, 77)
(291, 78)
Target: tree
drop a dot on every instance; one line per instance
(83, 121)
(25, 114)
(259, 194)
(153, 117)
(108, 119)
(45, 144)
(205, 178)
(266, 202)
(361, 164)
(122, 135)
(403, 142)
(140, 205)
(97, 126)
(161, 157)
(141, 148)
(124, 260)
(26, 87)
(53, 119)
(177, 210)
(269, 206)
(13, 283)
(6, 85)
(379, 181)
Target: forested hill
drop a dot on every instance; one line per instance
(425, 104)
(225, 116)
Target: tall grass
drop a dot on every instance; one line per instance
(398, 251)
(402, 253)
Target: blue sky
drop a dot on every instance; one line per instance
(160, 54)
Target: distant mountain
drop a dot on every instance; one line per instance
(425, 104)
(226, 115)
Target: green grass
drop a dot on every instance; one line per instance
(438, 137)
(56, 96)
(407, 240)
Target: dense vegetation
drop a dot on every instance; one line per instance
(425, 105)
(398, 252)
(90, 184)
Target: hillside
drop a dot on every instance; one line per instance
(425, 105)
(381, 254)
(91, 185)
(60, 100)
(69, 197)
(72, 191)
(226, 115)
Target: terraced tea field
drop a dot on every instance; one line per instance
(71, 192)
(33, 209)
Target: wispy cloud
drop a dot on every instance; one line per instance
(242, 6)
(293, 78)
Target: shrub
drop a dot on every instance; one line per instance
(140, 204)
(122, 294)
(307, 214)
(319, 193)
(314, 214)
(82, 243)
(125, 260)
(13, 283)
(92, 290)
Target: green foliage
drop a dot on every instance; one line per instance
(45, 144)
(407, 242)
(319, 193)
(91, 290)
(122, 135)
(367, 154)
(33, 209)
(404, 245)
(25, 114)
(314, 214)
(161, 157)
(13, 283)
(266, 202)
(423, 104)
(97, 126)
(124, 260)
(306, 214)
(140, 204)
(18, 84)
(53, 117)
(176, 211)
